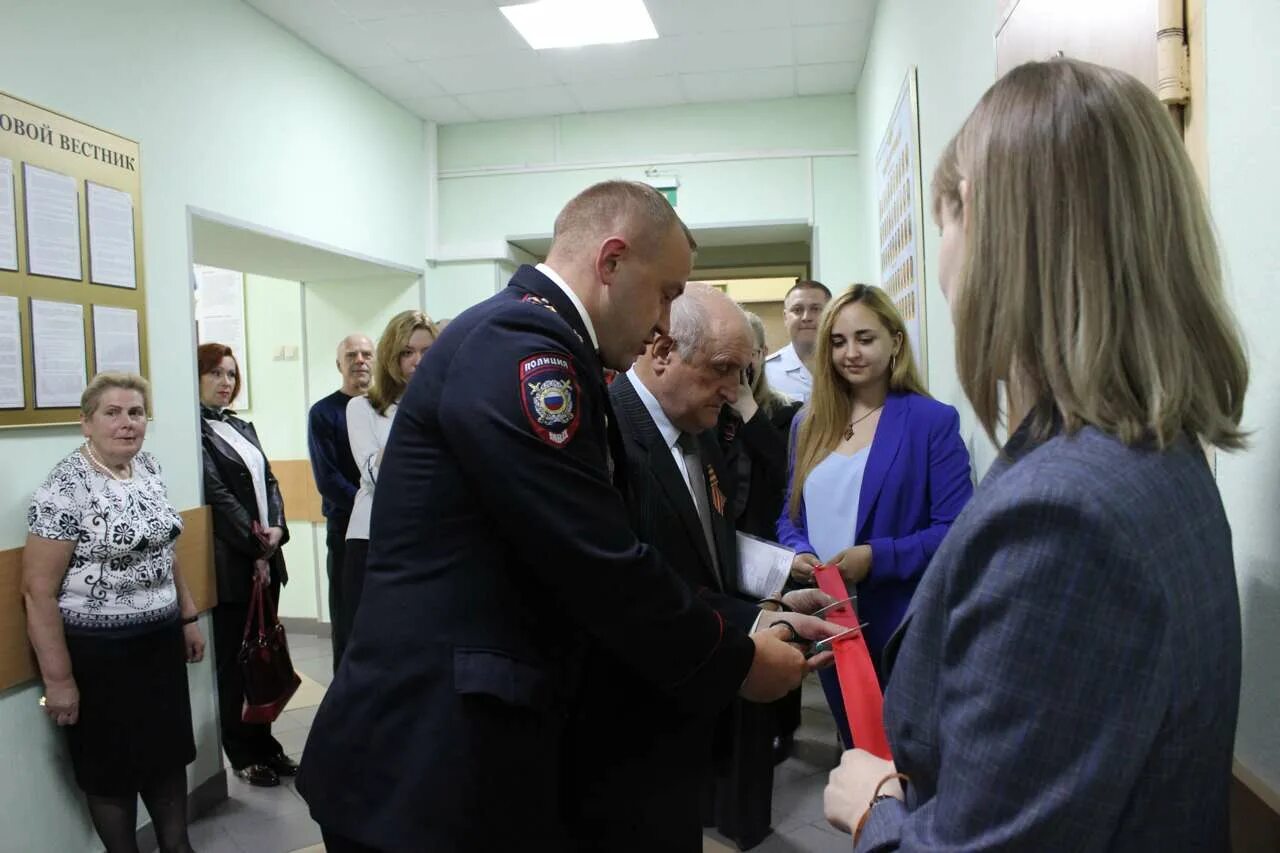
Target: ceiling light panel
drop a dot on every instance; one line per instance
(575, 23)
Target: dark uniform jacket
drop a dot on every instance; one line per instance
(228, 490)
(499, 550)
(641, 759)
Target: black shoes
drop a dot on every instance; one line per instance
(259, 775)
(283, 765)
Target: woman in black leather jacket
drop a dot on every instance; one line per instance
(241, 490)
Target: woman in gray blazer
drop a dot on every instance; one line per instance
(1067, 676)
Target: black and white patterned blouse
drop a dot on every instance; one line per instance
(121, 574)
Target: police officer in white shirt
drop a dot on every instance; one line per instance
(788, 368)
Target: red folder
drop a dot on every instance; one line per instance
(859, 687)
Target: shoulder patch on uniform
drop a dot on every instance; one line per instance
(549, 395)
(534, 299)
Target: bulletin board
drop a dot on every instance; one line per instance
(901, 207)
(72, 284)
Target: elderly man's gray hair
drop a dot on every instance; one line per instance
(691, 317)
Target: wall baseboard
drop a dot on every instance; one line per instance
(1255, 814)
(306, 625)
(206, 796)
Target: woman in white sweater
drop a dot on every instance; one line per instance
(403, 344)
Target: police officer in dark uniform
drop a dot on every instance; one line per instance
(500, 551)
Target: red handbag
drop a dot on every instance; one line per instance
(265, 665)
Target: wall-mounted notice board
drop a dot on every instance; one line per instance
(72, 289)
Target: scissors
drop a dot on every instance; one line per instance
(822, 645)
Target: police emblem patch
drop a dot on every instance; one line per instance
(549, 396)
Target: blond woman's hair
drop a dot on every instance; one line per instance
(91, 396)
(1089, 275)
(388, 381)
(830, 405)
(766, 398)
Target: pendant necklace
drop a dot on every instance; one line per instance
(848, 431)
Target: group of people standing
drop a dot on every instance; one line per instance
(346, 435)
(550, 639)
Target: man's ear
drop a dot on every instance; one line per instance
(662, 350)
(611, 252)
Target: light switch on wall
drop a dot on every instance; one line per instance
(288, 352)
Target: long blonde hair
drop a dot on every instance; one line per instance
(388, 382)
(831, 404)
(1090, 273)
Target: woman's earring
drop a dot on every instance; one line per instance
(893, 363)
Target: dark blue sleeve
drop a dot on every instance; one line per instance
(322, 445)
(950, 487)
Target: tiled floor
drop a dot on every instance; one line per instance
(275, 820)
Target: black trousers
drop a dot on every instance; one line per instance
(335, 541)
(245, 743)
(353, 581)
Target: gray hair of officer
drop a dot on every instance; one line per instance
(691, 320)
(630, 208)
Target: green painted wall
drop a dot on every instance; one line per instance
(235, 116)
(952, 46)
(743, 163)
(1244, 137)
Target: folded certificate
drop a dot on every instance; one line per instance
(763, 566)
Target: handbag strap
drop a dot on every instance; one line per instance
(261, 589)
(255, 609)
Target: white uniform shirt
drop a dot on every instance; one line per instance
(787, 374)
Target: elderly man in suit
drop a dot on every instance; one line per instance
(643, 792)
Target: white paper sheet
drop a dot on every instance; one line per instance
(8, 221)
(763, 566)
(115, 340)
(111, 258)
(53, 223)
(57, 334)
(12, 393)
(220, 318)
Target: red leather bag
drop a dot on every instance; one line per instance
(265, 665)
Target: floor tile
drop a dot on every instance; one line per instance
(804, 839)
(209, 837)
(303, 717)
(293, 740)
(800, 803)
(277, 835)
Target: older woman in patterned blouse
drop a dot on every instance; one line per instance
(112, 622)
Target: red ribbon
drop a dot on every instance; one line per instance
(859, 687)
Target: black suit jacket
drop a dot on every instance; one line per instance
(500, 551)
(640, 760)
(228, 490)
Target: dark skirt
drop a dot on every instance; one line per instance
(135, 711)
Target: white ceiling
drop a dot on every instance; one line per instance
(460, 60)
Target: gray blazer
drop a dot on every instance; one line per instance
(1068, 674)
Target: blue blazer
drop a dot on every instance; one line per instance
(916, 482)
(1068, 675)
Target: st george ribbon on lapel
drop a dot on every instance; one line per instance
(859, 687)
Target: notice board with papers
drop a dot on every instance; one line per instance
(72, 287)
